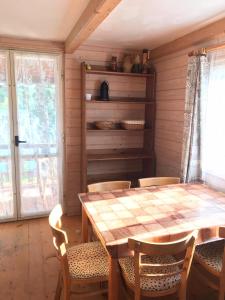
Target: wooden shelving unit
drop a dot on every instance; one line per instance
(117, 154)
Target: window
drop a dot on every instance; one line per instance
(213, 155)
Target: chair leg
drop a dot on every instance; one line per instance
(182, 293)
(66, 290)
(66, 293)
(221, 294)
(59, 287)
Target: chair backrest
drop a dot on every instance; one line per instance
(222, 272)
(183, 248)
(59, 236)
(108, 186)
(154, 181)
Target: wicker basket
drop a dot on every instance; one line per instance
(133, 124)
(105, 125)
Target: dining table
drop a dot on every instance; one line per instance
(154, 214)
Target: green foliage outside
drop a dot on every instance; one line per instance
(36, 105)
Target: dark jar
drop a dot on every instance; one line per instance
(104, 90)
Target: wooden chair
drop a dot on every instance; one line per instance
(158, 270)
(209, 264)
(80, 264)
(108, 186)
(154, 181)
(101, 187)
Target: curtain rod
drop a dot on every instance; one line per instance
(204, 51)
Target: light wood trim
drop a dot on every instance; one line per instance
(108, 186)
(84, 226)
(169, 248)
(31, 45)
(114, 278)
(177, 263)
(155, 181)
(191, 39)
(203, 51)
(95, 12)
(83, 131)
(222, 278)
(213, 48)
(186, 244)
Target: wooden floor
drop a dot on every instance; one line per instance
(29, 268)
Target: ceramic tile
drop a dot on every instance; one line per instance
(159, 213)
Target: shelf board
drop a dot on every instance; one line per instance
(106, 72)
(118, 130)
(132, 101)
(117, 156)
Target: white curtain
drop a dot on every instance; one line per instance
(39, 124)
(213, 155)
(195, 100)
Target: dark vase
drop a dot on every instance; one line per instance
(104, 90)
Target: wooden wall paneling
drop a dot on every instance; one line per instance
(114, 170)
(114, 112)
(99, 55)
(113, 167)
(193, 39)
(172, 73)
(170, 95)
(73, 133)
(119, 87)
(31, 45)
(110, 140)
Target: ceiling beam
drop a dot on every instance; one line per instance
(191, 39)
(95, 12)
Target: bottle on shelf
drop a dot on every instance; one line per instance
(150, 66)
(114, 67)
(104, 90)
(145, 61)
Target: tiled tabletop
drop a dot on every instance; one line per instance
(156, 213)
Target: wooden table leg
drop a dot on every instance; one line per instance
(114, 279)
(84, 226)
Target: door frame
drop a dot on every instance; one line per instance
(11, 130)
(13, 116)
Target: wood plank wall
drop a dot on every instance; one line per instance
(96, 56)
(170, 97)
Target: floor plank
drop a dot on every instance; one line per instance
(29, 268)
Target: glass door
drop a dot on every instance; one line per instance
(7, 170)
(30, 134)
(38, 133)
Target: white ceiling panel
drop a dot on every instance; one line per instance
(151, 23)
(40, 19)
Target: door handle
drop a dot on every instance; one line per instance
(18, 141)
